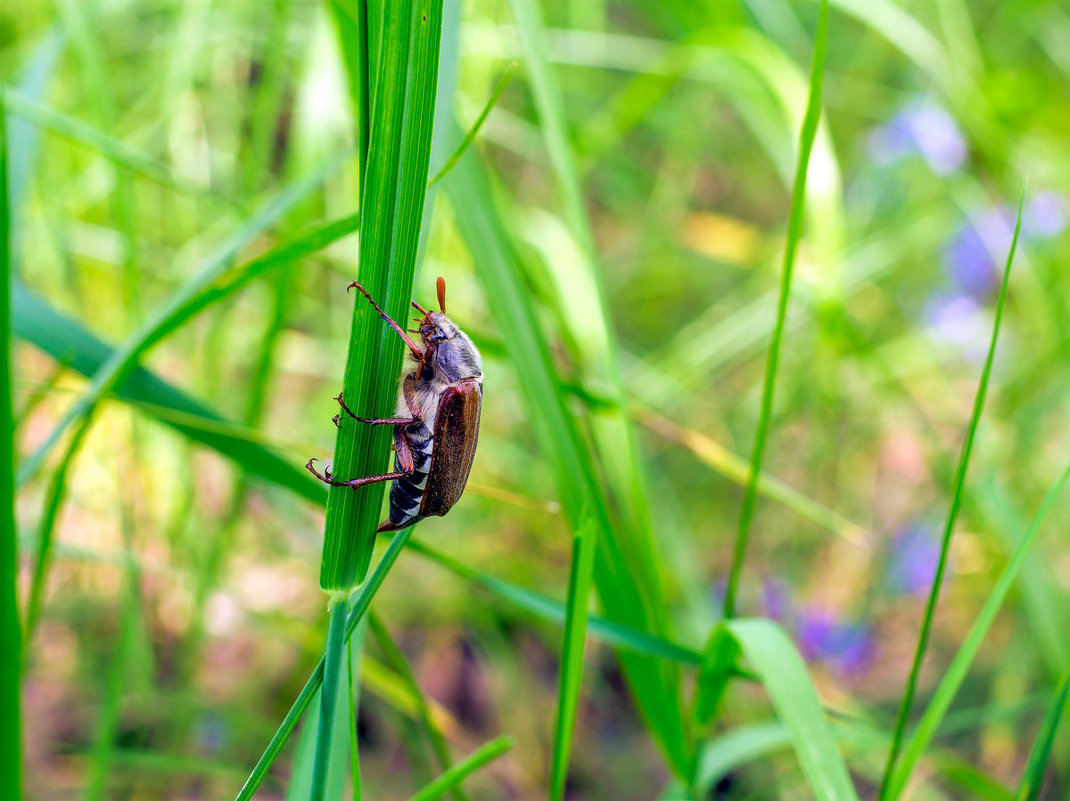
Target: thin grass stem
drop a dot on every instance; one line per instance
(795, 226)
(949, 525)
(10, 634)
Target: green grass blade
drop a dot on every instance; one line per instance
(949, 525)
(57, 489)
(1033, 776)
(355, 647)
(10, 636)
(956, 672)
(473, 132)
(487, 752)
(574, 637)
(100, 141)
(392, 208)
(396, 660)
(624, 593)
(795, 225)
(782, 672)
(299, 785)
(609, 631)
(67, 340)
(329, 696)
(360, 605)
(123, 360)
(58, 335)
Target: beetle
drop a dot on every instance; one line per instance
(436, 426)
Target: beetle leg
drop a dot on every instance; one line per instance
(413, 347)
(326, 478)
(375, 421)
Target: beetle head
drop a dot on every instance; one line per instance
(455, 357)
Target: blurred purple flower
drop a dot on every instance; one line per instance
(922, 128)
(774, 598)
(970, 258)
(1045, 215)
(912, 564)
(211, 732)
(847, 647)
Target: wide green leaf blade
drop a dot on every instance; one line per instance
(781, 669)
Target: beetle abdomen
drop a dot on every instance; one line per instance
(406, 494)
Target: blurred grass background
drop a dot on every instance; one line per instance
(626, 201)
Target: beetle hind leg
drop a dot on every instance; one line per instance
(353, 483)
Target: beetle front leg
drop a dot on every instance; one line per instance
(414, 349)
(375, 421)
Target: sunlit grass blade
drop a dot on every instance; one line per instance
(1033, 776)
(396, 660)
(123, 360)
(459, 772)
(735, 469)
(609, 631)
(795, 226)
(619, 576)
(359, 607)
(473, 132)
(573, 640)
(10, 636)
(956, 672)
(781, 669)
(949, 526)
(67, 340)
(111, 148)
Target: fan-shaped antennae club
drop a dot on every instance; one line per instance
(441, 283)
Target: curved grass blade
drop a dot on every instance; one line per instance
(795, 225)
(574, 637)
(67, 340)
(57, 489)
(10, 636)
(956, 672)
(459, 772)
(1033, 776)
(611, 632)
(359, 606)
(396, 660)
(949, 526)
(473, 132)
(182, 304)
(625, 594)
(782, 672)
(627, 545)
(728, 464)
(40, 324)
(108, 146)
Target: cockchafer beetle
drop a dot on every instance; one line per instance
(437, 423)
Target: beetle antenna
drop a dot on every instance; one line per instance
(441, 283)
(419, 308)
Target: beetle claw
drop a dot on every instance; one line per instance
(335, 420)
